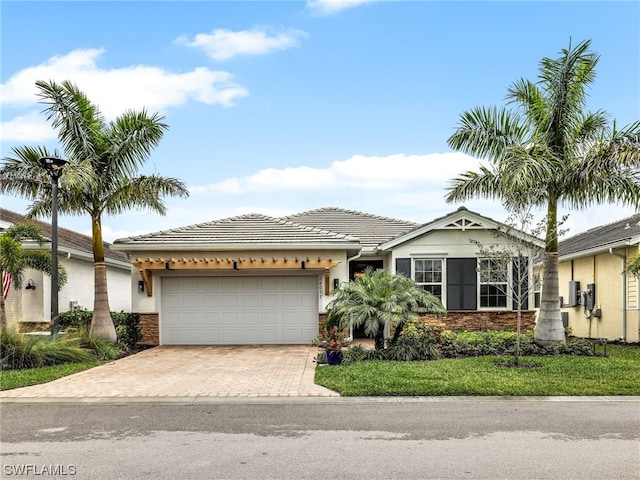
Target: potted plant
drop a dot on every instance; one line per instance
(331, 340)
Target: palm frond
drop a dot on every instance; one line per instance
(487, 132)
(132, 137)
(73, 115)
(468, 185)
(147, 192)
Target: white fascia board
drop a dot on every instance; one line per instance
(202, 247)
(72, 253)
(593, 251)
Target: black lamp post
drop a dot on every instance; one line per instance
(54, 167)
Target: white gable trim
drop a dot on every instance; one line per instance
(461, 219)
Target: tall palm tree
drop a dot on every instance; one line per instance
(15, 259)
(377, 298)
(101, 177)
(549, 151)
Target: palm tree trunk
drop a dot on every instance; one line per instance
(549, 327)
(101, 324)
(3, 313)
(379, 339)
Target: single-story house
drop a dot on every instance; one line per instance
(600, 299)
(254, 279)
(31, 305)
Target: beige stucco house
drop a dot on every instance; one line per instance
(254, 279)
(32, 306)
(599, 299)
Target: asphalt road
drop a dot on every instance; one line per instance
(342, 439)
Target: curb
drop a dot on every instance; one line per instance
(303, 400)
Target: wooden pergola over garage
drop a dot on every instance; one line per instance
(146, 267)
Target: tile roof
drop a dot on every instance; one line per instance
(371, 230)
(249, 229)
(602, 237)
(67, 239)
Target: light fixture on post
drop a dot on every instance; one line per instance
(30, 285)
(54, 166)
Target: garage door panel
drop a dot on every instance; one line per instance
(290, 319)
(210, 301)
(268, 336)
(239, 310)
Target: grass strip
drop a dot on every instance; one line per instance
(10, 379)
(559, 375)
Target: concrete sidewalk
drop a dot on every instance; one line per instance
(191, 372)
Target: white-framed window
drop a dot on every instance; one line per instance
(428, 273)
(537, 290)
(493, 283)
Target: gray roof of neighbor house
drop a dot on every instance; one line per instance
(250, 230)
(68, 240)
(612, 235)
(371, 230)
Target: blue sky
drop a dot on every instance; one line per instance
(281, 107)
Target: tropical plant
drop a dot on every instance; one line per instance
(376, 299)
(549, 151)
(331, 339)
(19, 351)
(633, 265)
(15, 259)
(101, 177)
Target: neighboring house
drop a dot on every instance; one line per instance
(75, 253)
(600, 300)
(254, 279)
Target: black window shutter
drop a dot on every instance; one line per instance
(403, 267)
(521, 275)
(462, 284)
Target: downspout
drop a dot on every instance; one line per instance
(623, 337)
(355, 257)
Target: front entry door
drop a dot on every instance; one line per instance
(355, 270)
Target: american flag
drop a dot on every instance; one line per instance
(6, 283)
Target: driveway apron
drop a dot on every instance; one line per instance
(192, 371)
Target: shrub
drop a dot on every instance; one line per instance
(101, 349)
(19, 351)
(127, 325)
(359, 353)
(128, 328)
(421, 342)
(408, 349)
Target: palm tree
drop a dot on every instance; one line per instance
(377, 298)
(15, 259)
(101, 177)
(549, 151)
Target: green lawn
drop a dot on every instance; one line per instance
(617, 374)
(34, 376)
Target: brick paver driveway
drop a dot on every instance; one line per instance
(192, 371)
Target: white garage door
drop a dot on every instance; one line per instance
(238, 310)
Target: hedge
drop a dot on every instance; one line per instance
(127, 325)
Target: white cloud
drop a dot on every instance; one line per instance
(224, 44)
(26, 128)
(116, 90)
(393, 172)
(329, 7)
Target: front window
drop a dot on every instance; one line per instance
(494, 283)
(428, 274)
(537, 286)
